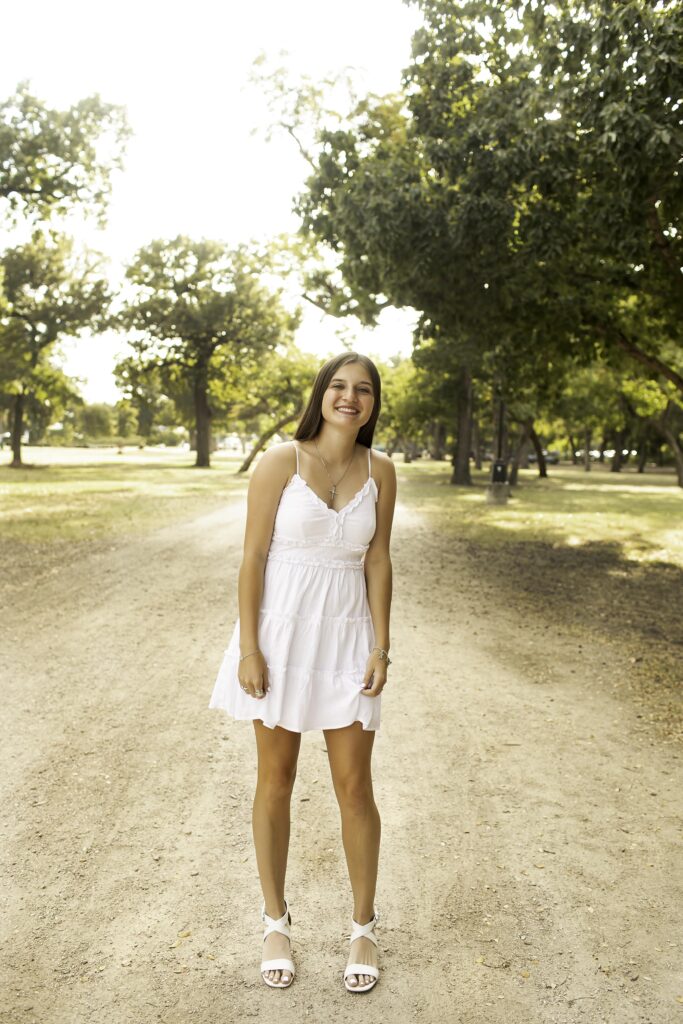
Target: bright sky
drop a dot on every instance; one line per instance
(193, 167)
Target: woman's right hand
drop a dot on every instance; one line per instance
(253, 675)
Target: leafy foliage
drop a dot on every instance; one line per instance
(201, 315)
(54, 160)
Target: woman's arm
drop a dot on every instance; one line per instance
(265, 489)
(378, 570)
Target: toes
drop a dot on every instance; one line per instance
(352, 979)
(278, 977)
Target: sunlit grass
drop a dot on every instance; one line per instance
(97, 494)
(642, 514)
(82, 494)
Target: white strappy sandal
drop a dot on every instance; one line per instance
(280, 924)
(358, 931)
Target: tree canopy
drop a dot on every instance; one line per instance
(202, 311)
(522, 192)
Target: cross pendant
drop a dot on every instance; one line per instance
(332, 491)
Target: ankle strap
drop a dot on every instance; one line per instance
(365, 930)
(280, 924)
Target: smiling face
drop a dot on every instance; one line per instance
(349, 397)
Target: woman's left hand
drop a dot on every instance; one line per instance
(375, 675)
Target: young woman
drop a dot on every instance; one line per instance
(310, 646)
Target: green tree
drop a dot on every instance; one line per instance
(96, 420)
(658, 412)
(49, 292)
(267, 397)
(51, 395)
(567, 116)
(200, 311)
(481, 199)
(52, 161)
(406, 407)
(143, 388)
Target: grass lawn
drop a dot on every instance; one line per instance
(85, 494)
(81, 494)
(641, 514)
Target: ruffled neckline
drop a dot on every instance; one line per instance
(350, 505)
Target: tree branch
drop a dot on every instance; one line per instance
(611, 333)
(661, 242)
(351, 311)
(653, 363)
(307, 157)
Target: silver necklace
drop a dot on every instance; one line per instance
(334, 486)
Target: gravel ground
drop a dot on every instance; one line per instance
(530, 859)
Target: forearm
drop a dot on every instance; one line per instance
(249, 593)
(378, 579)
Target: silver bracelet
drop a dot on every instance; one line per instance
(257, 651)
(383, 655)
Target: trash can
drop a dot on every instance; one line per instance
(499, 472)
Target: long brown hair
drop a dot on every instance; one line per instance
(311, 420)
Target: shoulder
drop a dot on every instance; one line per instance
(382, 461)
(277, 463)
(278, 456)
(383, 468)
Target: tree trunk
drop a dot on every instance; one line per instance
(572, 443)
(440, 441)
(517, 458)
(538, 448)
(587, 450)
(677, 450)
(202, 416)
(266, 437)
(672, 439)
(476, 442)
(500, 429)
(618, 459)
(642, 455)
(17, 429)
(505, 438)
(461, 457)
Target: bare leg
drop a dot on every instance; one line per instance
(350, 751)
(278, 752)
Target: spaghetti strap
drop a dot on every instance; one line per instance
(369, 463)
(296, 449)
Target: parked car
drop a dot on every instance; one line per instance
(551, 457)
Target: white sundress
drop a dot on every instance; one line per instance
(315, 628)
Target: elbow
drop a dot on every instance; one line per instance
(378, 561)
(254, 560)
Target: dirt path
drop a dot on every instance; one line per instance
(530, 818)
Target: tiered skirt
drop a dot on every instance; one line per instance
(316, 634)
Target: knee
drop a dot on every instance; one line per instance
(276, 784)
(355, 795)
